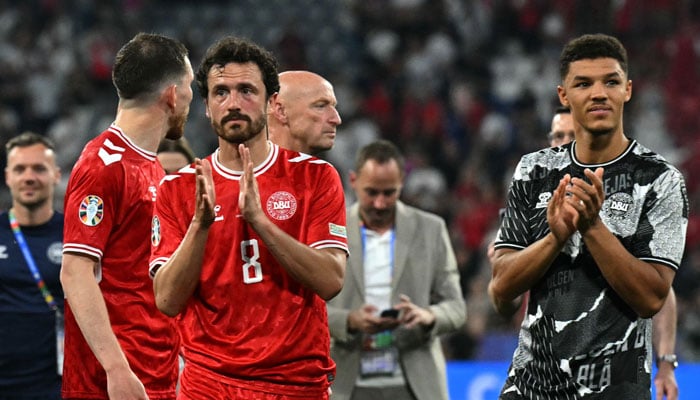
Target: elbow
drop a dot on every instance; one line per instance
(331, 290)
(650, 308)
(496, 293)
(334, 284)
(167, 309)
(166, 305)
(503, 304)
(646, 313)
(649, 305)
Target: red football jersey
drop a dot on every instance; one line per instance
(108, 209)
(249, 323)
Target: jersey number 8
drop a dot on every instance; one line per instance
(252, 270)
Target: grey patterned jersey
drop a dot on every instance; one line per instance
(579, 339)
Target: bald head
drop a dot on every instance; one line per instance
(562, 129)
(303, 115)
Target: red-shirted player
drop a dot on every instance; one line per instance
(117, 344)
(248, 244)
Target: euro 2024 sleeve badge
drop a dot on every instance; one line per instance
(91, 210)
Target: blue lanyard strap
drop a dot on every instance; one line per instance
(30, 262)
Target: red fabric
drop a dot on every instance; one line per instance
(271, 329)
(120, 181)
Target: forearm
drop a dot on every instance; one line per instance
(176, 280)
(647, 291)
(664, 326)
(88, 307)
(320, 270)
(515, 272)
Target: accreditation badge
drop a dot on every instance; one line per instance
(60, 334)
(379, 356)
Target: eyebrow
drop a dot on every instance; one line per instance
(606, 76)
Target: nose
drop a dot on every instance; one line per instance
(335, 117)
(28, 175)
(599, 90)
(232, 101)
(379, 202)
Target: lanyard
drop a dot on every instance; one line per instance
(30, 263)
(392, 239)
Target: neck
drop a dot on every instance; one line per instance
(377, 226)
(229, 157)
(598, 149)
(283, 138)
(32, 217)
(140, 125)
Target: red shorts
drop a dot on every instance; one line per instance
(196, 386)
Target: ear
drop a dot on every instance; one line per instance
(563, 99)
(628, 90)
(276, 108)
(353, 178)
(57, 175)
(169, 97)
(206, 108)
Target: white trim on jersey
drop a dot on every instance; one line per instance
(324, 244)
(631, 146)
(257, 170)
(155, 265)
(149, 155)
(660, 261)
(82, 249)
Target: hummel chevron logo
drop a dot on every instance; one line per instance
(107, 157)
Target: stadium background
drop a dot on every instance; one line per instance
(464, 87)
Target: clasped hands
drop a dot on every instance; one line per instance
(576, 204)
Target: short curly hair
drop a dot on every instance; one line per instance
(232, 49)
(592, 46)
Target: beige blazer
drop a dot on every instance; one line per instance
(426, 270)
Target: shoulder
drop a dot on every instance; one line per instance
(423, 217)
(311, 167)
(181, 177)
(541, 161)
(644, 154)
(113, 148)
(653, 165)
(101, 155)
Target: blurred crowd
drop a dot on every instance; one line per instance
(464, 87)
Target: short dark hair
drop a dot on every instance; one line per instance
(592, 46)
(177, 146)
(147, 62)
(230, 49)
(27, 139)
(381, 151)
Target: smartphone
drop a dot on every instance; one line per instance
(389, 313)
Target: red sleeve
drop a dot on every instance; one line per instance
(172, 213)
(91, 206)
(327, 222)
